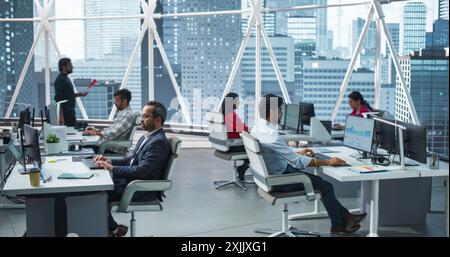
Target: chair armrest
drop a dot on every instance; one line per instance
(141, 186)
(293, 178)
(235, 142)
(228, 142)
(118, 143)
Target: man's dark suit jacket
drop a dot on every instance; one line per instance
(148, 164)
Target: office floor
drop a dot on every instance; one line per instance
(195, 208)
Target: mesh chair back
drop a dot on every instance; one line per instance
(257, 163)
(217, 130)
(175, 146)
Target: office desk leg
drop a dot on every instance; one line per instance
(374, 209)
(446, 206)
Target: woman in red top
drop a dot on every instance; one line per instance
(234, 126)
(358, 105)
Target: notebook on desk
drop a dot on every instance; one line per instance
(78, 175)
(364, 169)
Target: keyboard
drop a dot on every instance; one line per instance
(321, 157)
(90, 163)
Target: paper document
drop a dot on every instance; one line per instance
(90, 86)
(368, 168)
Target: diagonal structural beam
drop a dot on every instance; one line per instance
(349, 72)
(412, 109)
(150, 26)
(44, 24)
(24, 72)
(275, 65)
(240, 54)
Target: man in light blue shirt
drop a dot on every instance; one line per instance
(281, 159)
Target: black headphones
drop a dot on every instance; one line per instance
(381, 160)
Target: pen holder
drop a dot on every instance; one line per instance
(434, 161)
(35, 177)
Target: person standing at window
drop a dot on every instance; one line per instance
(64, 91)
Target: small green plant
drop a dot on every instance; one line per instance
(52, 139)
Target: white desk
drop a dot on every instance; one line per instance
(84, 200)
(343, 174)
(74, 136)
(337, 134)
(297, 137)
(290, 136)
(90, 140)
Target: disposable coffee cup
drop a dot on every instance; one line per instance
(35, 177)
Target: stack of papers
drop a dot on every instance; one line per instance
(368, 168)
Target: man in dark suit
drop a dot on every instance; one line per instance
(147, 161)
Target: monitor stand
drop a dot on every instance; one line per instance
(362, 156)
(408, 163)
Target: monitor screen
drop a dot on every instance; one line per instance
(415, 142)
(292, 116)
(31, 144)
(307, 110)
(385, 135)
(358, 133)
(15, 152)
(283, 109)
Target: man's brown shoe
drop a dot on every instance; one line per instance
(120, 232)
(341, 230)
(351, 220)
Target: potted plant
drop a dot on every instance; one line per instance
(52, 144)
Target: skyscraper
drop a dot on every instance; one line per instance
(269, 19)
(413, 27)
(163, 89)
(443, 9)
(283, 48)
(101, 98)
(110, 70)
(322, 79)
(367, 57)
(320, 14)
(426, 75)
(302, 28)
(16, 39)
(39, 54)
(112, 41)
(438, 38)
(394, 30)
(208, 50)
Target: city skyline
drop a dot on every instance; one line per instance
(69, 34)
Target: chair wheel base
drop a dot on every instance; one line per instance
(220, 184)
(291, 232)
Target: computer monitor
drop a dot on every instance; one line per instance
(415, 142)
(32, 117)
(31, 144)
(283, 117)
(292, 119)
(24, 118)
(51, 114)
(12, 148)
(358, 133)
(385, 135)
(306, 111)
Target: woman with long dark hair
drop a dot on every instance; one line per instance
(358, 105)
(234, 126)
